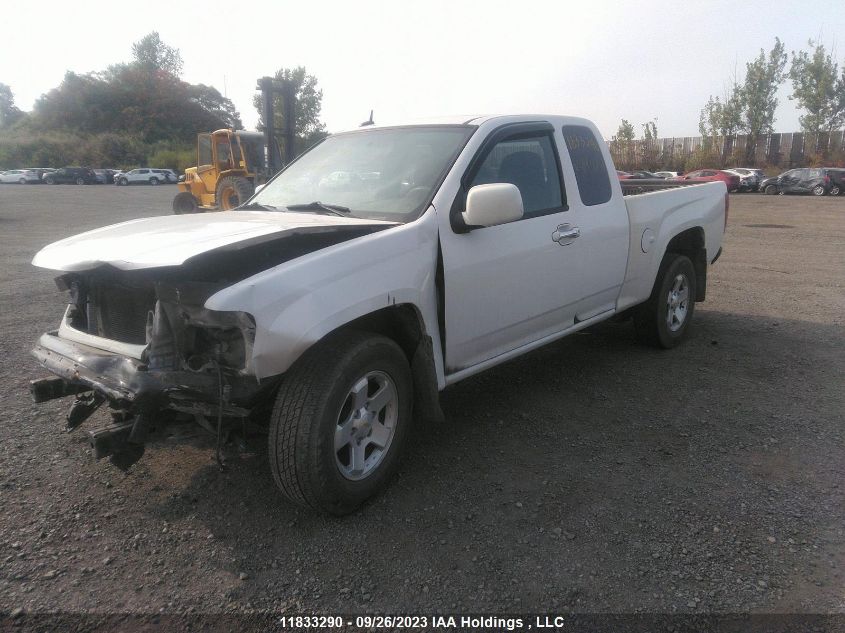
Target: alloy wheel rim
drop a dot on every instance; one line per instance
(677, 303)
(366, 425)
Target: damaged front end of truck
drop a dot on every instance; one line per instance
(140, 341)
(143, 347)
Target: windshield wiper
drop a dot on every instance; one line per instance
(335, 209)
(256, 206)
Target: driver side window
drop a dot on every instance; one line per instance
(530, 164)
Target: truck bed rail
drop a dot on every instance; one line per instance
(636, 186)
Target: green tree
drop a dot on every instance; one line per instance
(650, 130)
(9, 112)
(818, 89)
(215, 104)
(625, 133)
(152, 54)
(763, 76)
(130, 100)
(309, 103)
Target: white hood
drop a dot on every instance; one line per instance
(172, 239)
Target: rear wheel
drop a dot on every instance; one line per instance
(153, 181)
(835, 190)
(184, 202)
(340, 421)
(664, 319)
(818, 190)
(233, 191)
(22, 181)
(80, 181)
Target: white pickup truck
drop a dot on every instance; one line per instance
(383, 265)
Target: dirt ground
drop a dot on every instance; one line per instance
(594, 475)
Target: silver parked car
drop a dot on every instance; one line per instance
(19, 176)
(750, 177)
(142, 176)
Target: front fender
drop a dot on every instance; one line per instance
(299, 302)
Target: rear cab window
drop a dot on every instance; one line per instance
(588, 163)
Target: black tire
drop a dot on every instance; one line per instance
(313, 396)
(651, 318)
(819, 190)
(153, 181)
(771, 190)
(184, 203)
(49, 180)
(835, 190)
(80, 181)
(22, 181)
(233, 191)
(122, 182)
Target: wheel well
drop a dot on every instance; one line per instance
(401, 323)
(691, 244)
(404, 325)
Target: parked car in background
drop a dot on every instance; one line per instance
(666, 174)
(19, 177)
(641, 173)
(143, 176)
(837, 180)
(812, 180)
(71, 175)
(732, 181)
(41, 171)
(105, 176)
(169, 175)
(623, 175)
(745, 184)
(751, 176)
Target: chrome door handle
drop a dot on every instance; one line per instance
(565, 233)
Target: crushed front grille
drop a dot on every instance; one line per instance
(122, 313)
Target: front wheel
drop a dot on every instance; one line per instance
(340, 421)
(818, 190)
(22, 181)
(122, 182)
(835, 190)
(184, 203)
(153, 181)
(80, 181)
(233, 191)
(771, 190)
(664, 319)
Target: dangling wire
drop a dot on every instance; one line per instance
(222, 392)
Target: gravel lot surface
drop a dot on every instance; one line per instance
(591, 475)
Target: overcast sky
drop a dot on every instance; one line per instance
(602, 60)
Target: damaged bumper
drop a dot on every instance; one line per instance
(130, 385)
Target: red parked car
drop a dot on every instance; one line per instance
(712, 175)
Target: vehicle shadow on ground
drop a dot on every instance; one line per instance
(570, 453)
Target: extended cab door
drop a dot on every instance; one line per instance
(509, 285)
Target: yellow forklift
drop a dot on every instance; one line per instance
(230, 163)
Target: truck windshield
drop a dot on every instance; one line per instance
(384, 174)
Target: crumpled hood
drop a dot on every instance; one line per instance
(172, 239)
